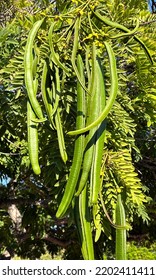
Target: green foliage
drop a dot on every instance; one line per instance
(135, 251)
(132, 118)
(141, 252)
(121, 176)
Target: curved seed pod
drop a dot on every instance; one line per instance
(112, 97)
(120, 244)
(111, 23)
(32, 139)
(129, 33)
(28, 65)
(87, 241)
(125, 29)
(144, 48)
(100, 136)
(78, 148)
(74, 52)
(108, 217)
(54, 56)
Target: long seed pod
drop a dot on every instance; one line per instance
(107, 215)
(32, 139)
(74, 52)
(50, 104)
(45, 92)
(78, 148)
(93, 110)
(87, 241)
(28, 65)
(129, 33)
(111, 23)
(58, 123)
(60, 136)
(100, 137)
(35, 62)
(87, 64)
(112, 97)
(125, 29)
(120, 244)
(79, 227)
(54, 56)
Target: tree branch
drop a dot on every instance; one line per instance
(56, 241)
